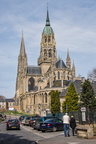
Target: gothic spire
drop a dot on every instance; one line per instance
(68, 56)
(68, 60)
(22, 48)
(47, 18)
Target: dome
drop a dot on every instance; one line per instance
(47, 30)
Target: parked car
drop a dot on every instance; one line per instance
(25, 121)
(52, 125)
(32, 120)
(36, 124)
(2, 117)
(22, 117)
(13, 124)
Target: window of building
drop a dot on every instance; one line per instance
(49, 39)
(45, 97)
(42, 98)
(45, 39)
(34, 98)
(45, 52)
(31, 84)
(50, 53)
(58, 75)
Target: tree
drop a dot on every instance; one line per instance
(87, 95)
(55, 102)
(71, 99)
(92, 74)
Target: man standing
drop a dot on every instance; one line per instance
(66, 122)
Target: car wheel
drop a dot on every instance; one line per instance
(43, 130)
(54, 129)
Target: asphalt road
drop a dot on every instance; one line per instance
(29, 136)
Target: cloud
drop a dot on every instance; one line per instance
(74, 26)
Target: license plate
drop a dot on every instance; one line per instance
(43, 124)
(13, 127)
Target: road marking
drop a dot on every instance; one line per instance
(73, 142)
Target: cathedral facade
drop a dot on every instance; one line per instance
(34, 83)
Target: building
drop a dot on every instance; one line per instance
(34, 83)
(6, 103)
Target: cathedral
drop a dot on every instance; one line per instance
(34, 83)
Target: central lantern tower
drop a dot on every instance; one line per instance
(48, 47)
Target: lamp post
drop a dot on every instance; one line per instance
(39, 108)
(66, 108)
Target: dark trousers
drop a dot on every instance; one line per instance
(73, 130)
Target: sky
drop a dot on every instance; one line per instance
(74, 26)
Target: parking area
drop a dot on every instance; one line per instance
(43, 134)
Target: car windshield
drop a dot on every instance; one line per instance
(13, 121)
(49, 120)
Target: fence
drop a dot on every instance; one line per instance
(89, 117)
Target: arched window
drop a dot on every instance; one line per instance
(45, 39)
(45, 97)
(49, 39)
(58, 75)
(54, 77)
(42, 98)
(31, 84)
(45, 52)
(34, 98)
(50, 53)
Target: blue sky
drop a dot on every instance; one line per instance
(74, 25)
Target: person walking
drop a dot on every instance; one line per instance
(66, 122)
(72, 124)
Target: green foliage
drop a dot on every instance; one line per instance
(87, 95)
(71, 99)
(55, 102)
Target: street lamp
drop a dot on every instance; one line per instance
(39, 108)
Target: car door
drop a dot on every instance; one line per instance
(59, 124)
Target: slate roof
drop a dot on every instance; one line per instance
(2, 100)
(60, 64)
(78, 87)
(63, 93)
(10, 100)
(58, 83)
(33, 70)
(77, 84)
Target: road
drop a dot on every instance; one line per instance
(29, 136)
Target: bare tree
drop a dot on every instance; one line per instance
(92, 74)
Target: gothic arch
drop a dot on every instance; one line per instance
(58, 75)
(31, 84)
(45, 52)
(48, 38)
(45, 39)
(50, 53)
(45, 97)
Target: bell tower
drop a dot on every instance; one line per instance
(48, 47)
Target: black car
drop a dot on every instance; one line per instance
(52, 125)
(13, 124)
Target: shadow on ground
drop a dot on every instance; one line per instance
(13, 139)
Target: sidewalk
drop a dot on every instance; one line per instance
(61, 139)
